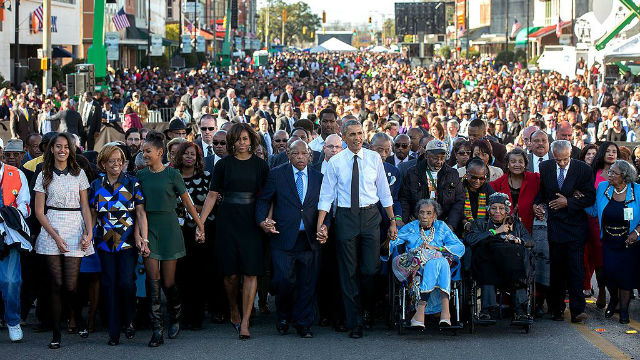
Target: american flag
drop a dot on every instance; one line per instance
(120, 20)
(515, 28)
(38, 13)
(559, 28)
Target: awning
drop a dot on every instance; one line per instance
(169, 42)
(199, 32)
(521, 36)
(136, 33)
(548, 30)
(58, 52)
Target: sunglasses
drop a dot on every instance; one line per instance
(477, 178)
(279, 140)
(216, 143)
(404, 146)
(211, 128)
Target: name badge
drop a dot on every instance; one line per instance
(628, 214)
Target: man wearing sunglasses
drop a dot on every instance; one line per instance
(219, 143)
(401, 148)
(208, 127)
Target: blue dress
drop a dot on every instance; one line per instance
(620, 264)
(436, 273)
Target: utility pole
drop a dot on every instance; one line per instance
(16, 46)
(180, 22)
(284, 18)
(527, 43)
(572, 22)
(466, 25)
(46, 45)
(149, 33)
(266, 26)
(506, 26)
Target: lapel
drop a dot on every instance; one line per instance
(311, 184)
(569, 177)
(290, 178)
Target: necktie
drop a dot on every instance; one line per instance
(355, 187)
(561, 178)
(539, 162)
(300, 188)
(209, 150)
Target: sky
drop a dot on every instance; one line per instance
(353, 11)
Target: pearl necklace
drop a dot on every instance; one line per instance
(621, 191)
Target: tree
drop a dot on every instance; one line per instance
(299, 15)
(389, 29)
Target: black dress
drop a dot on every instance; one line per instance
(238, 238)
(620, 264)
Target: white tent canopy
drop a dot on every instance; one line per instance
(629, 50)
(379, 49)
(317, 49)
(334, 44)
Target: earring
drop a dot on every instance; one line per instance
(249, 148)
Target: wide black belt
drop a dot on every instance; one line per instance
(361, 208)
(62, 209)
(238, 198)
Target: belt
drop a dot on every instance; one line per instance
(361, 208)
(238, 198)
(616, 231)
(61, 209)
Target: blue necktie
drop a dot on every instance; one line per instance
(300, 188)
(561, 178)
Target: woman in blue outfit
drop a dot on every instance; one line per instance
(435, 242)
(618, 209)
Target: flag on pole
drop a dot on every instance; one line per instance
(558, 28)
(515, 28)
(38, 13)
(120, 20)
(461, 31)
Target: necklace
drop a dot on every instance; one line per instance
(621, 191)
(155, 172)
(427, 239)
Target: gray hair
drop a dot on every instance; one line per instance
(627, 171)
(348, 123)
(381, 136)
(560, 145)
(430, 202)
(455, 123)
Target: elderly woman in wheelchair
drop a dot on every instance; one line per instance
(501, 257)
(430, 249)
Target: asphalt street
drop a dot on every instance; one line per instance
(599, 338)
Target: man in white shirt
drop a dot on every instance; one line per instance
(267, 138)
(207, 129)
(357, 181)
(332, 146)
(539, 150)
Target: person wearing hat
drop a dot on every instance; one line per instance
(432, 178)
(14, 192)
(13, 152)
(500, 257)
(176, 129)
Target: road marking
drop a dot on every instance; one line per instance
(632, 323)
(607, 347)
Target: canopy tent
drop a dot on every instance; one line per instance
(334, 44)
(317, 49)
(379, 49)
(628, 50)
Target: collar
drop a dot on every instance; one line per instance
(545, 157)
(304, 171)
(120, 180)
(61, 172)
(360, 153)
(566, 170)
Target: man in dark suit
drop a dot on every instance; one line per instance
(294, 241)
(566, 189)
(67, 120)
(91, 113)
(227, 101)
(287, 95)
(208, 129)
(478, 130)
(23, 120)
(198, 103)
(266, 137)
(286, 121)
(401, 149)
(219, 150)
(266, 113)
(188, 98)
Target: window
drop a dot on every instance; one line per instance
(66, 1)
(550, 12)
(169, 9)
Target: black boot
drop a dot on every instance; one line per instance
(155, 312)
(175, 310)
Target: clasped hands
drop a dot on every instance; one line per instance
(556, 204)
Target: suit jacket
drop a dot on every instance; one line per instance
(393, 177)
(282, 123)
(575, 152)
(197, 104)
(284, 97)
(390, 159)
(499, 151)
(210, 162)
(405, 166)
(528, 191)
(21, 126)
(68, 121)
(279, 159)
(568, 224)
(280, 190)
(187, 99)
(530, 160)
(94, 123)
(267, 147)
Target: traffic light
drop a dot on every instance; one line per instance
(369, 19)
(45, 64)
(304, 30)
(284, 15)
(324, 17)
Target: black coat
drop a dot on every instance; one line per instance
(568, 224)
(450, 194)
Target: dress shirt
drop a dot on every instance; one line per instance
(24, 197)
(336, 183)
(398, 161)
(305, 181)
(536, 162)
(566, 170)
(205, 151)
(268, 143)
(317, 144)
(291, 122)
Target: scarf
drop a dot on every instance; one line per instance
(482, 206)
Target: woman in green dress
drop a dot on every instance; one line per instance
(161, 185)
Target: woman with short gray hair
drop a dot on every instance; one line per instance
(618, 209)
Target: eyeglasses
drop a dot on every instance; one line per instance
(216, 143)
(404, 146)
(477, 178)
(209, 128)
(279, 140)
(611, 172)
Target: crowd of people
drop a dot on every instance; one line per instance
(312, 179)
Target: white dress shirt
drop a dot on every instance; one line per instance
(566, 170)
(205, 151)
(317, 144)
(373, 187)
(267, 141)
(305, 181)
(398, 161)
(536, 161)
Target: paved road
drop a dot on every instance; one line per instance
(547, 339)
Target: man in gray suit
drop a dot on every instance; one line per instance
(198, 103)
(286, 121)
(539, 151)
(67, 120)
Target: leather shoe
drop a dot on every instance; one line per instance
(580, 318)
(324, 322)
(558, 316)
(340, 327)
(130, 332)
(356, 333)
(367, 320)
(113, 342)
(283, 327)
(305, 332)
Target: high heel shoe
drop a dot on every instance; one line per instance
(84, 333)
(55, 342)
(236, 326)
(624, 317)
(244, 337)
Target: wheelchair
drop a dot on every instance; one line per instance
(471, 297)
(401, 306)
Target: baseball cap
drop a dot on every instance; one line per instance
(436, 146)
(13, 145)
